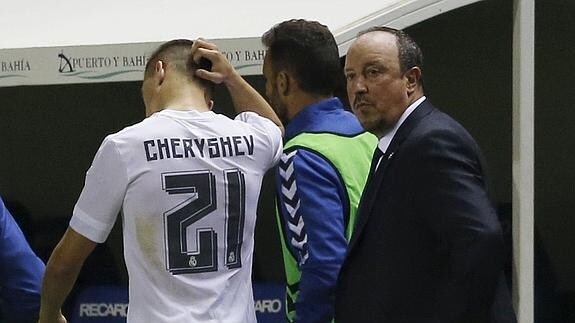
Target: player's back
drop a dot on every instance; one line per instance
(189, 213)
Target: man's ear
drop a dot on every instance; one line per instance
(412, 78)
(160, 71)
(283, 83)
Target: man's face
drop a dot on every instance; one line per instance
(376, 87)
(272, 92)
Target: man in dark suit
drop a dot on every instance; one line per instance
(427, 245)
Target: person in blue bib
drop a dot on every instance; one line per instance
(324, 166)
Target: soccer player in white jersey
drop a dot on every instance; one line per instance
(187, 181)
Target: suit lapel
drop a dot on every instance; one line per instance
(374, 182)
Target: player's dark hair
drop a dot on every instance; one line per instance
(308, 50)
(177, 54)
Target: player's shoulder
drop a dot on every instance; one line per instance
(304, 157)
(251, 117)
(259, 124)
(133, 130)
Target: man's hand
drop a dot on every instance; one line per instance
(222, 70)
(244, 96)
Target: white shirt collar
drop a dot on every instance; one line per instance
(386, 139)
(184, 114)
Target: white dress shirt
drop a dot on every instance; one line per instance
(384, 142)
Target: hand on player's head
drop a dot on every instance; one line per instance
(221, 69)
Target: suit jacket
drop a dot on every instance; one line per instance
(427, 245)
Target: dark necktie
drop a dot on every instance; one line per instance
(375, 160)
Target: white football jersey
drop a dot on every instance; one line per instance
(188, 184)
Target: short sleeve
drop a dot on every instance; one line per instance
(103, 194)
(269, 130)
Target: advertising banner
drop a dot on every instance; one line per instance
(109, 304)
(107, 63)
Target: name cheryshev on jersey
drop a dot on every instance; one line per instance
(214, 147)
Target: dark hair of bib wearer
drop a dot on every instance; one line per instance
(309, 51)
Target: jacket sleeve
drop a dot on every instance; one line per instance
(459, 211)
(21, 272)
(313, 204)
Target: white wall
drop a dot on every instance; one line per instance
(39, 23)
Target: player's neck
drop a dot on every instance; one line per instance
(184, 99)
(301, 100)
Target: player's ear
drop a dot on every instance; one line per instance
(160, 71)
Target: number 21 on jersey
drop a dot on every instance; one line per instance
(183, 218)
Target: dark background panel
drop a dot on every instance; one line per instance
(554, 160)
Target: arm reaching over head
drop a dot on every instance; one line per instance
(244, 96)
